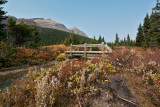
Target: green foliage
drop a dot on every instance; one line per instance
(154, 31)
(122, 42)
(111, 45)
(94, 41)
(23, 34)
(117, 40)
(150, 30)
(51, 36)
(6, 50)
(76, 39)
(128, 40)
(2, 17)
(100, 39)
(140, 36)
(146, 27)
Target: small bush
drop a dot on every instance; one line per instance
(61, 57)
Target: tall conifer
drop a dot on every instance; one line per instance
(140, 37)
(2, 17)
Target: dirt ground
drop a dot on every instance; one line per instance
(115, 93)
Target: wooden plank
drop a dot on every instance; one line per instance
(88, 45)
(83, 52)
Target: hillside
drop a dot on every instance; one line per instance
(49, 31)
(53, 36)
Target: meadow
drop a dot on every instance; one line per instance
(79, 82)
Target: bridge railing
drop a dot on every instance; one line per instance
(85, 46)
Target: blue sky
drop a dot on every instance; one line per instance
(94, 17)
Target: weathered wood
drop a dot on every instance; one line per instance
(87, 52)
(102, 46)
(76, 51)
(71, 51)
(88, 45)
(90, 48)
(85, 47)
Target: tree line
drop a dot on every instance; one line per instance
(75, 40)
(148, 35)
(149, 32)
(126, 41)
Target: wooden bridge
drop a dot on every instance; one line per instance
(88, 49)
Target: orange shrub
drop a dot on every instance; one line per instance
(33, 56)
(24, 52)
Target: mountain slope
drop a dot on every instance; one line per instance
(53, 36)
(48, 23)
(77, 31)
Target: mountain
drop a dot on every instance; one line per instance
(77, 31)
(48, 23)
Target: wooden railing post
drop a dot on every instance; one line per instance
(90, 48)
(85, 48)
(103, 49)
(71, 51)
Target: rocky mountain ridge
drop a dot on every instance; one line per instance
(48, 23)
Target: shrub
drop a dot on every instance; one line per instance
(60, 85)
(61, 57)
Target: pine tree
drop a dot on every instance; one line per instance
(117, 40)
(125, 42)
(146, 28)
(140, 37)
(100, 39)
(22, 33)
(128, 40)
(154, 31)
(3, 34)
(147, 24)
(94, 41)
(103, 40)
(78, 40)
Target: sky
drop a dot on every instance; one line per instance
(94, 17)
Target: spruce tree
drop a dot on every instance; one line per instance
(100, 39)
(154, 30)
(128, 40)
(147, 24)
(125, 42)
(94, 41)
(117, 40)
(3, 34)
(74, 39)
(78, 40)
(140, 37)
(155, 26)
(103, 40)
(146, 28)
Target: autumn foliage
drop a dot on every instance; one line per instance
(141, 67)
(75, 82)
(36, 56)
